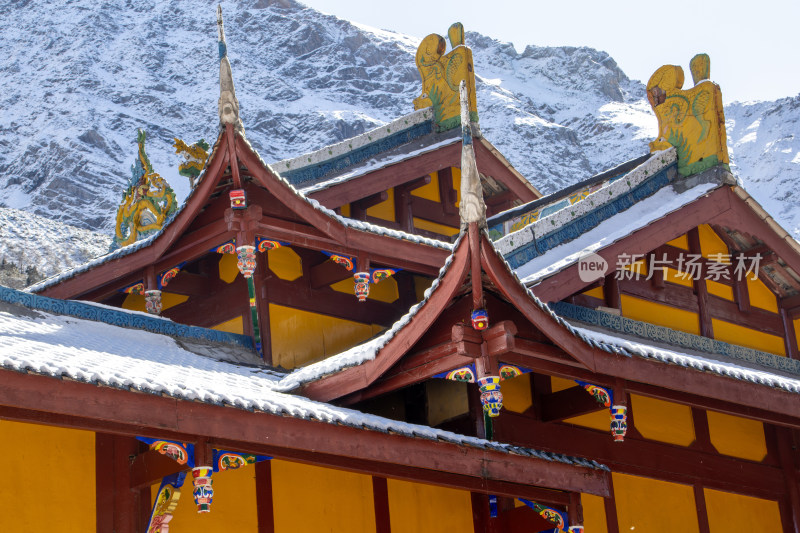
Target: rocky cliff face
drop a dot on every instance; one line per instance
(78, 80)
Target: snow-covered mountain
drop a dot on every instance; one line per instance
(78, 80)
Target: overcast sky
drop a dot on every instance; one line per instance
(753, 45)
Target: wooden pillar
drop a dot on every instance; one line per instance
(611, 291)
(788, 457)
(609, 505)
(118, 507)
(700, 505)
(447, 194)
(789, 337)
(264, 508)
(575, 509)
(380, 496)
(700, 289)
(262, 306)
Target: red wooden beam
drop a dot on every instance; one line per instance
(567, 403)
(491, 163)
(264, 507)
(359, 377)
(700, 289)
(644, 457)
(283, 436)
(389, 176)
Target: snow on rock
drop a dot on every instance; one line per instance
(79, 80)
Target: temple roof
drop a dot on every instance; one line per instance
(116, 349)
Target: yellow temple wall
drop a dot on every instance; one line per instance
(663, 421)
(300, 337)
(735, 512)
(736, 436)
(646, 505)
(428, 509)
(48, 478)
(314, 499)
(233, 508)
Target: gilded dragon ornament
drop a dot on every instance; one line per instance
(146, 203)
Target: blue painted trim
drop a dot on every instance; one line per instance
(679, 339)
(577, 227)
(312, 172)
(121, 318)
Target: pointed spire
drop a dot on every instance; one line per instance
(472, 207)
(228, 104)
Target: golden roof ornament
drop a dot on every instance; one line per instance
(441, 75)
(228, 104)
(472, 207)
(691, 120)
(147, 202)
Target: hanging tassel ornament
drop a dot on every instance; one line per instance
(619, 422)
(152, 301)
(246, 261)
(491, 397)
(362, 285)
(203, 489)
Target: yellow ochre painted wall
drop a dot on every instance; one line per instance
(750, 338)
(735, 512)
(383, 291)
(736, 436)
(680, 242)
(677, 277)
(662, 315)
(135, 302)
(48, 479)
(599, 420)
(285, 263)
(517, 393)
(719, 289)
(646, 505)
(234, 325)
(228, 268)
(385, 209)
(427, 225)
(310, 499)
(300, 337)
(594, 513)
(663, 421)
(760, 295)
(457, 184)
(428, 509)
(711, 244)
(429, 191)
(421, 284)
(345, 210)
(233, 508)
(597, 292)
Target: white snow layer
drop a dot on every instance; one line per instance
(123, 358)
(621, 225)
(697, 362)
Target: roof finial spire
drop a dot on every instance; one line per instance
(228, 104)
(472, 207)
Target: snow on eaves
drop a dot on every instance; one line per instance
(374, 164)
(629, 347)
(619, 226)
(364, 352)
(129, 359)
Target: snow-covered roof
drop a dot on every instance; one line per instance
(138, 245)
(629, 346)
(366, 351)
(321, 164)
(102, 354)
